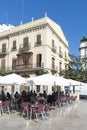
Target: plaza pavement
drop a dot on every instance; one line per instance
(70, 117)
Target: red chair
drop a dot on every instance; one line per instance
(38, 111)
(68, 100)
(59, 102)
(46, 109)
(26, 109)
(5, 107)
(73, 98)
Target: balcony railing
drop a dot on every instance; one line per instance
(61, 54)
(13, 49)
(83, 56)
(66, 58)
(54, 68)
(54, 49)
(29, 67)
(24, 48)
(38, 44)
(3, 51)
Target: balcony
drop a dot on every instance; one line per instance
(23, 48)
(38, 44)
(13, 49)
(54, 49)
(83, 56)
(3, 52)
(66, 58)
(25, 68)
(54, 68)
(61, 54)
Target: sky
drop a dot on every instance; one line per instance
(71, 15)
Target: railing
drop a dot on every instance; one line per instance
(83, 56)
(3, 51)
(23, 67)
(66, 58)
(24, 48)
(54, 68)
(54, 49)
(38, 44)
(61, 54)
(13, 49)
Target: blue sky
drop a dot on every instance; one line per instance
(71, 15)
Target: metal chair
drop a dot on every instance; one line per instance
(38, 111)
(46, 109)
(26, 109)
(5, 107)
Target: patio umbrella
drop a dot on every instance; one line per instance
(45, 79)
(62, 81)
(73, 82)
(13, 79)
(48, 79)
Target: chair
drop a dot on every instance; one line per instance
(68, 100)
(26, 109)
(46, 109)
(38, 111)
(73, 98)
(5, 107)
(59, 102)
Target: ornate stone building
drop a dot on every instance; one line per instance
(34, 46)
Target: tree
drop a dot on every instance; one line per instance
(74, 69)
(2, 72)
(40, 72)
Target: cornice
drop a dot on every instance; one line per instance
(20, 32)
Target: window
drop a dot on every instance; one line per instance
(65, 55)
(52, 43)
(66, 67)
(39, 39)
(13, 64)
(54, 48)
(53, 63)
(25, 42)
(12, 89)
(2, 63)
(38, 88)
(25, 59)
(3, 47)
(60, 67)
(59, 50)
(14, 44)
(45, 88)
(38, 60)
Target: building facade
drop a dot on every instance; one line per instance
(32, 47)
(83, 52)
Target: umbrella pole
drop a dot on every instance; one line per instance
(73, 88)
(58, 91)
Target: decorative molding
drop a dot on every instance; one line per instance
(27, 30)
